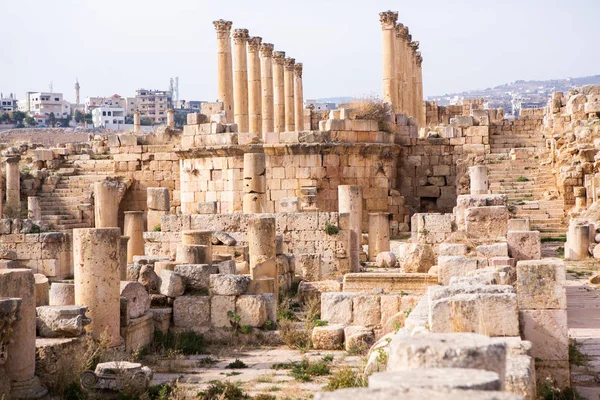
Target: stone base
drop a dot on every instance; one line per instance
(389, 282)
(56, 359)
(139, 333)
(31, 389)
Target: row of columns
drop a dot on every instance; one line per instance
(402, 71)
(261, 89)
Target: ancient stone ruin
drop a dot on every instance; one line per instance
(427, 239)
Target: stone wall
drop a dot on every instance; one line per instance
(46, 253)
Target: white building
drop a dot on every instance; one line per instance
(39, 105)
(320, 105)
(114, 101)
(108, 117)
(8, 103)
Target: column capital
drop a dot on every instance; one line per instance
(402, 32)
(266, 49)
(240, 36)
(419, 58)
(409, 38)
(222, 27)
(254, 43)
(388, 19)
(278, 57)
(298, 70)
(13, 159)
(288, 63)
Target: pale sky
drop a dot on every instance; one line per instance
(117, 46)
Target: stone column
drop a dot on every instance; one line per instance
(350, 201)
(388, 25)
(255, 183)
(298, 98)
(288, 89)
(262, 249)
(578, 242)
(404, 59)
(42, 290)
(421, 105)
(97, 279)
(240, 79)
(20, 362)
(123, 257)
(194, 254)
(415, 84)
(398, 65)
(479, 179)
(13, 185)
(278, 92)
(171, 118)
(224, 65)
(62, 293)
(106, 204)
(136, 121)
(254, 86)
(266, 70)
(34, 209)
(410, 70)
(134, 228)
(379, 234)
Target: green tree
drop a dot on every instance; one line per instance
(88, 118)
(79, 117)
(129, 119)
(4, 117)
(29, 120)
(146, 121)
(52, 119)
(18, 116)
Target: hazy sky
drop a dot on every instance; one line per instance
(117, 46)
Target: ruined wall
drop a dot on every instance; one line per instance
(46, 253)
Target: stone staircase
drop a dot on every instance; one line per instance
(529, 185)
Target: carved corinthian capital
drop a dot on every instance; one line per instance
(266, 49)
(288, 63)
(278, 57)
(240, 36)
(223, 28)
(388, 19)
(298, 70)
(254, 43)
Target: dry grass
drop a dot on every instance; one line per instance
(373, 108)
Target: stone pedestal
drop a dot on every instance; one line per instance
(123, 257)
(224, 67)
(97, 279)
(34, 209)
(255, 183)
(254, 86)
(298, 98)
(171, 118)
(350, 201)
(240, 79)
(578, 242)
(42, 290)
(106, 204)
(379, 234)
(266, 70)
(479, 179)
(288, 89)
(278, 92)
(193, 254)
(134, 228)
(20, 362)
(13, 185)
(262, 249)
(62, 293)
(136, 121)
(388, 24)
(202, 238)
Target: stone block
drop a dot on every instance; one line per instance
(386, 259)
(309, 290)
(161, 317)
(547, 330)
(449, 266)
(488, 222)
(229, 284)
(171, 283)
(414, 394)
(191, 312)
(358, 338)
(366, 310)
(442, 379)
(158, 199)
(196, 276)
(61, 321)
(541, 284)
(226, 267)
(220, 306)
(521, 376)
(289, 205)
(519, 224)
(524, 245)
(137, 296)
(453, 249)
(414, 257)
(271, 303)
(336, 308)
(493, 250)
(461, 121)
(428, 191)
(329, 337)
(139, 333)
(252, 310)
(206, 207)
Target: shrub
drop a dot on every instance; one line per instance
(304, 370)
(270, 325)
(246, 329)
(320, 322)
(346, 378)
(331, 229)
(157, 228)
(185, 342)
(522, 179)
(223, 391)
(547, 391)
(237, 364)
(372, 108)
(576, 357)
(296, 335)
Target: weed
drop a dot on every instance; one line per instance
(296, 335)
(185, 342)
(246, 329)
(346, 378)
(576, 357)
(263, 396)
(197, 292)
(547, 391)
(206, 361)
(35, 229)
(223, 391)
(331, 229)
(232, 373)
(407, 312)
(358, 348)
(382, 356)
(156, 228)
(328, 357)
(286, 314)
(159, 392)
(554, 239)
(270, 325)
(425, 232)
(320, 322)
(237, 364)
(304, 370)
(372, 108)
(522, 179)
(274, 389)
(234, 321)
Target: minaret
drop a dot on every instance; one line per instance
(77, 91)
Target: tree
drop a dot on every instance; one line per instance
(129, 119)
(88, 118)
(29, 120)
(18, 116)
(147, 121)
(52, 119)
(79, 117)
(4, 117)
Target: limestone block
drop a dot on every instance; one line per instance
(229, 284)
(261, 286)
(226, 267)
(139, 333)
(194, 254)
(520, 376)
(206, 207)
(461, 121)
(519, 224)
(437, 378)
(196, 276)
(191, 312)
(252, 310)
(415, 257)
(42, 290)
(447, 350)
(502, 261)
(337, 307)
(453, 249)
(172, 284)
(310, 266)
(242, 268)
(43, 155)
(488, 222)
(137, 296)
(329, 337)
(484, 276)
(62, 293)
(223, 238)
(61, 321)
(148, 278)
(541, 284)
(524, 245)
(592, 107)
(547, 330)
(493, 250)
(158, 199)
(308, 290)
(414, 394)
(289, 205)
(357, 338)
(450, 266)
(161, 317)
(220, 305)
(366, 310)
(428, 191)
(271, 304)
(386, 259)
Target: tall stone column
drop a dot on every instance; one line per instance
(278, 91)
(388, 25)
(13, 185)
(262, 249)
(97, 279)
(224, 67)
(405, 50)
(401, 51)
(255, 183)
(266, 70)
(123, 257)
(34, 209)
(350, 201)
(137, 122)
(413, 79)
(171, 118)
(240, 79)
(20, 351)
(421, 112)
(134, 228)
(298, 98)
(288, 89)
(254, 86)
(379, 234)
(479, 179)
(106, 204)
(398, 66)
